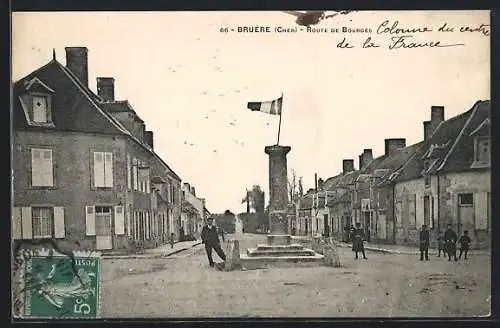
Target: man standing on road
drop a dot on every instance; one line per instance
(357, 240)
(450, 239)
(210, 237)
(424, 243)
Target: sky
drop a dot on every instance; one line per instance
(190, 83)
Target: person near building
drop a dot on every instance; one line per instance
(424, 243)
(171, 240)
(210, 237)
(441, 245)
(464, 242)
(450, 239)
(358, 236)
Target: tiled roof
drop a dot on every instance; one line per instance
(461, 155)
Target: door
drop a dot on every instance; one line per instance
(465, 213)
(104, 237)
(367, 224)
(326, 225)
(382, 225)
(427, 210)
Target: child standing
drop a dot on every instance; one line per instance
(441, 245)
(171, 240)
(465, 242)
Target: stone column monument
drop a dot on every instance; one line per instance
(279, 250)
(278, 195)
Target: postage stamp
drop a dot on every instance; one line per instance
(54, 285)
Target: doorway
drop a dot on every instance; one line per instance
(104, 237)
(326, 225)
(465, 213)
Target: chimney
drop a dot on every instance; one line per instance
(320, 184)
(437, 114)
(187, 187)
(315, 181)
(393, 144)
(77, 63)
(106, 88)
(347, 165)
(427, 130)
(148, 137)
(365, 158)
(193, 191)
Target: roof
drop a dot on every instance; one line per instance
(120, 106)
(451, 146)
(75, 109)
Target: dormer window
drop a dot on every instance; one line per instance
(36, 102)
(40, 109)
(482, 150)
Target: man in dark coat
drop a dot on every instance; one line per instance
(424, 243)
(358, 235)
(210, 237)
(465, 242)
(450, 239)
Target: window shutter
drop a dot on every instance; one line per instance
(98, 169)
(47, 168)
(119, 220)
(108, 169)
(147, 225)
(481, 210)
(17, 222)
(27, 226)
(90, 220)
(129, 173)
(135, 173)
(59, 230)
(129, 228)
(36, 168)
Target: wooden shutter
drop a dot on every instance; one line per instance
(481, 211)
(17, 222)
(119, 220)
(27, 226)
(129, 228)
(99, 169)
(47, 168)
(90, 220)
(135, 174)
(36, 167)
(129, 173)
(59, 230)
(146, 219)
(108, 169)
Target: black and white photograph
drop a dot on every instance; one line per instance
(255, 164)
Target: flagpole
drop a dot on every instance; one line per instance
(279, 124)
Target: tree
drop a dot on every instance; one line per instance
(292, 187)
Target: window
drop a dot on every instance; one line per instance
(465, 199)
(144, 179)
(42, 222)
(103, 169)
(135, 178)
(40, 109)
(482, 150)
(41, 168)
(129, 172)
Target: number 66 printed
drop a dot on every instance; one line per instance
(81, 307)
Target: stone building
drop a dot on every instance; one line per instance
(193, 211)
(443, 179)
(86, 171)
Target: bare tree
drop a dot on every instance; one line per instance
(292, 186)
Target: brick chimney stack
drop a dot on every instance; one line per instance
(347, 165)
(77, 63)
(393, 144)
(365, 158)
(106, 88)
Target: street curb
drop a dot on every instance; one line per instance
(148, 256)
(392, 251)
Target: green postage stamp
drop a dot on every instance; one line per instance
(57, 286)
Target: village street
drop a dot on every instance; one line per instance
(183, 285)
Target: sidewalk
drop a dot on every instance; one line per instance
(401, 249)
(158, 252)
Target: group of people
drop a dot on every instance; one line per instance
(447, 243)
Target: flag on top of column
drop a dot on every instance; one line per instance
(269, 107)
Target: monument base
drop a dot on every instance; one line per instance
(280, 252)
